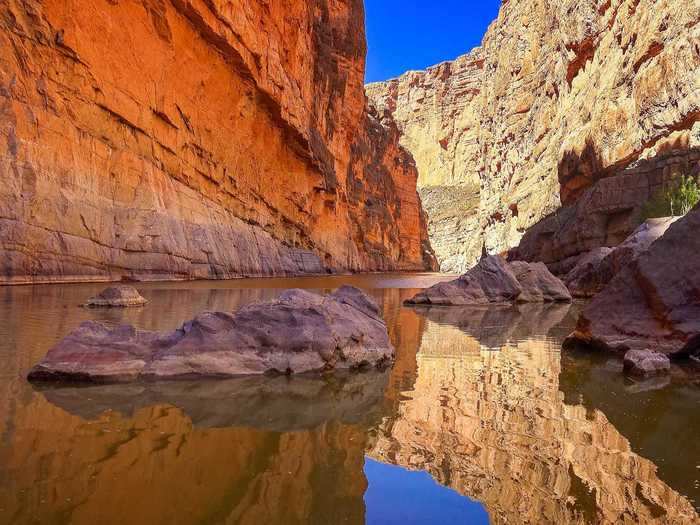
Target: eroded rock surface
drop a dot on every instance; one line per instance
(494, 281)
(117, 297)
(297, 333)
(209, 140)
(587, 104)
(654, 302)
(597, 268)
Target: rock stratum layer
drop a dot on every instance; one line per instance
(160, 139)
(567, 118)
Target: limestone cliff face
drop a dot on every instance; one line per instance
(196, 139)
(590, 105)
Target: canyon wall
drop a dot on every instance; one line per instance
(564, 122)
(161, 139)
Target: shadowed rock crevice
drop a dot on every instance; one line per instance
(608, 212)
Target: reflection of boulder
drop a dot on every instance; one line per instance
(494, 326)
(271, 403)
(495, 427)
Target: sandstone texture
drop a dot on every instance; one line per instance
(180, 139)
(646, 363)
(567, 118)
(654, 302)
(117, 297)
(494, 281)
(597, 268)
(297, 333)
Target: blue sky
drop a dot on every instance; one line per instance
(415, 34)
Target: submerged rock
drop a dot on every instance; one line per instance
(654, 301)
(646, 363)
(117, 297)
(494, 281)
(598, 267)
(297, 333)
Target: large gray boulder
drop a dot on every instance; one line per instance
(494, 281)
(297, 333)
(654, 301)
(597, 268)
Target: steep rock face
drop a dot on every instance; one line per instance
(209, 139)
(654, 301)
(590, 104)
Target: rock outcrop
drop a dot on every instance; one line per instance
(117, 297)
(494, 281)
(299, 332)
(171, 139)
(654, 302)
(587, 104)
(646, 363)
(597, 268)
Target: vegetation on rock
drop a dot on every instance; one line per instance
(677, 200)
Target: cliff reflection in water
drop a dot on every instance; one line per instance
(480, 399)
(486, 417)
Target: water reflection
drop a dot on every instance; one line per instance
(495, 426)
(481, 400)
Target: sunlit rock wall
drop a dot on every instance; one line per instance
(559, 96)
(165, 139)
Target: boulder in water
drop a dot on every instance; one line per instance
(117, 297)
(494, 281)
(646, 363)
(297, 333)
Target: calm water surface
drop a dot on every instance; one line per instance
(483, 419)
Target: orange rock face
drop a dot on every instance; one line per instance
(196, 139)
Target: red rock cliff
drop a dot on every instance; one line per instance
(196, 139)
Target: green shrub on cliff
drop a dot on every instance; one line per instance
(677, 200)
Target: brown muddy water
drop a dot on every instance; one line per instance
(483, 419)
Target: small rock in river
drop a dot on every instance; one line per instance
(117, 297)
(646, 363)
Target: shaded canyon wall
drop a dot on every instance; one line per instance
(587, 105)
(162, 139)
